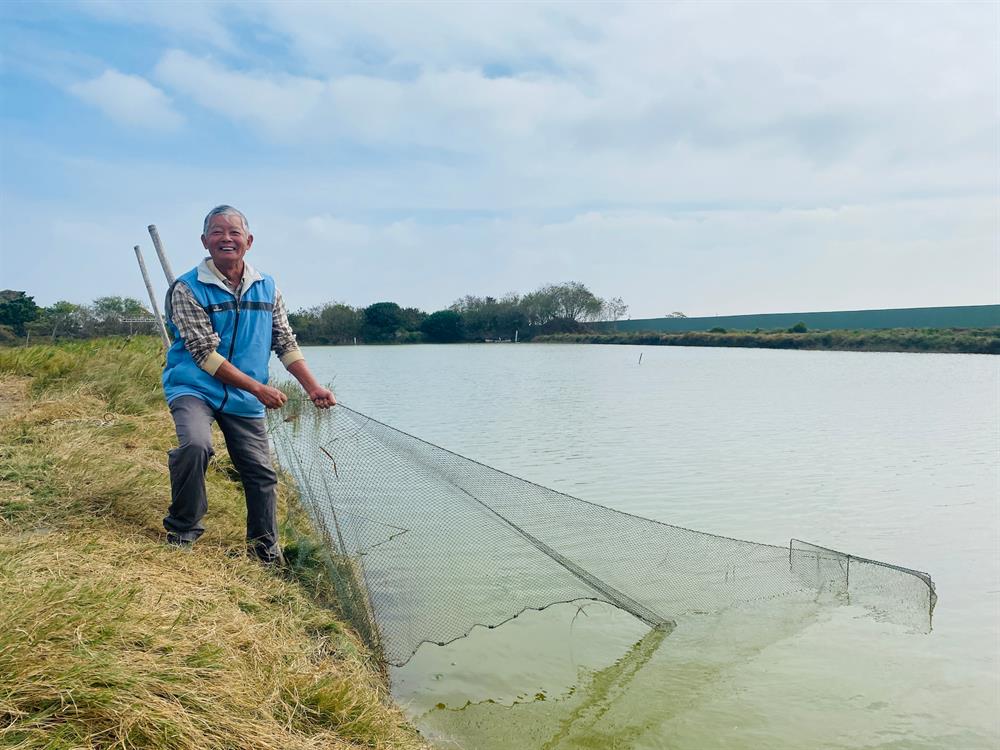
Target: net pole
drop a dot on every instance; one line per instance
(152, 297)
(164, 263)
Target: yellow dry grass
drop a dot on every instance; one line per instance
(111, 639)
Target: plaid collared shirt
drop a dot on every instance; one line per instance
(201, 340)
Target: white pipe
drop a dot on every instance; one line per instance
(152, 297)
(158, 245)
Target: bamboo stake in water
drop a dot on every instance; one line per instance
(152, 297)
(158, 245)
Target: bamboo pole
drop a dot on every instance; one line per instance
(152, 297)
(158, 245)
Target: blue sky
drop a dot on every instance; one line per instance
(711, 158)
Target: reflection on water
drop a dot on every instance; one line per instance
(888, 456)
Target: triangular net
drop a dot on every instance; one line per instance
(442, 543)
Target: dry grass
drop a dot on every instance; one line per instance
(110, 639)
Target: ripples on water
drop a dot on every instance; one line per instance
(889, 456)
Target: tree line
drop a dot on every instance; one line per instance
(553, 308)
(550, 309)
(21, 318)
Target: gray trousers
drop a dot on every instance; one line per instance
(246, 439)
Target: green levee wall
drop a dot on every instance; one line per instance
(967, 316)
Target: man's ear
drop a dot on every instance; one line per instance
(249, 241)
(204, 242)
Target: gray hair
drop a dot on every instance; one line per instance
(225, 211)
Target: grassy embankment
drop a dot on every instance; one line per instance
(108, 637)
(948, 340)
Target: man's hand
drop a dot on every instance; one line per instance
(272, 398)
(322, 397)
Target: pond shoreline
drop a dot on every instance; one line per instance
(912, 340)
(915, 340)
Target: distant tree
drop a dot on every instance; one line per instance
(340, 323)
(412, 318)
(799, 327)
(540, 306)
(112, 308)
(63, 317)
(559, 325)
(305, 323)
(717, 329)
(491, 318)
(17, 309)
(509, 316)
(614, 308)
(444, 326)
(383, 321)
(569, 301)
(331, 323)
(107, 316)
(576, 302)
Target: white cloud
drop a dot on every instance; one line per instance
(203, 23)
(731, 69)
(279, 104)
(338, 38)
(705, 157)
(129, 99)
(454, 109)
(640, 102)
(333, 231)
(316, 233)
(903, 254)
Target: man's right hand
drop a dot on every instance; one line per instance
(272, 398)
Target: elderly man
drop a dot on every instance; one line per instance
(226, 318)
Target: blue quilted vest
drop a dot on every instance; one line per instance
(244, 328)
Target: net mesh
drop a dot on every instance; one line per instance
(443, 543)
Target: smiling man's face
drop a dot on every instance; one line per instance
(226, 240)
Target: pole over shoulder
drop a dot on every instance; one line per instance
(158, 245)
(152, 297)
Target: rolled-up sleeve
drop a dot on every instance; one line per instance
(195, 328)
(283, 341)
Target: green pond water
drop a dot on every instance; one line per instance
(887, 456)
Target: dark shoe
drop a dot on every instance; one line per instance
(178, 541)
(274, 558)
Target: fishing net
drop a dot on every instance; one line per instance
(442, 543)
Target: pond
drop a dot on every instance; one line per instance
(888, 456)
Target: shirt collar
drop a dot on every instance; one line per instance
(209, 274)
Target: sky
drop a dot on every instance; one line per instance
(709, 158)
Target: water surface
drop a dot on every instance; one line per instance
(888, 456)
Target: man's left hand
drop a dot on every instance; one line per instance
(323, 398)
